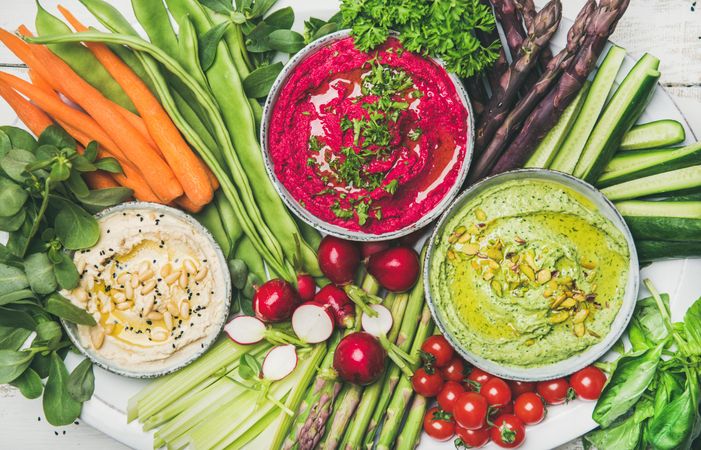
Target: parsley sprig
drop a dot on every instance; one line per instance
(441, 28)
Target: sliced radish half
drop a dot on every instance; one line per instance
(312, 323)
(379, 325)
(279, 362)
(245, 330)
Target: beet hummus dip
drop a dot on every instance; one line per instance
(370, 142)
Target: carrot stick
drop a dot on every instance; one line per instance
(187, 204)
(188, 168)
(155, 170)
(34, 118)
(100, 180)
(40, 82)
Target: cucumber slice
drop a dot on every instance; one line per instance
(656, 134)
(649, 251)
(680, 181)
(663, 220)
(620, 114)
(552, 142)
(642, 163)
(569, 154)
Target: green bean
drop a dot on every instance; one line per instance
(248, 254)
(110, 16)
(154, 18)
(226, 87)
(81, 60)
(228, 218)
(188, 51)
(210, 219)
(310, 234)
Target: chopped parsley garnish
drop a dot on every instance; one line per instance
(314, 143)
(361, 209)
(415, 134)
(346, 124)
(306, 113)
(340, 212)
(391, 187)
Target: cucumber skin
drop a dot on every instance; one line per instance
(649, 251)
(615, 128)
(664, 228)
(641, 186)
(677, 135)
(689, 160)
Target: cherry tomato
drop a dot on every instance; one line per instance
(437, 351)
(470, 410)
(554, 392)
(427, 384)
(439, 424)
(588, 383)
(476, 379)
(454, 370)
(450, 392)
(496, 411)
(529, 408)
(508, 431)
(496, 391)
(471, 438)
(519, 387)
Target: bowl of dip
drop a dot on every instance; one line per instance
(532, 275)
(157, 286)
(366, 146)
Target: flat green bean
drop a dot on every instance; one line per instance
(188, 50)
(228, 218)
(154, 18)
(227, 89)
(210, 219)
(81, 60)
(248, 254)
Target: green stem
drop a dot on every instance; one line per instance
(667, 318)
(40, 215)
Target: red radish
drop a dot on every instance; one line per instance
(279, 362)
(312, 323)
(359, 359)
(370, 248)
(275, 300)
(339, 302)
(245, 330)
(380, 324)
(338, 259)
(306, 287)
(396, 269)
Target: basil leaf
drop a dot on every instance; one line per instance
(673, 425)
(41, 364)
(282, 19)
(100, 199)
(692, 326)
(66, 273)
(286, 41)
(29, 384)
(75, 228)
(12, 338)
(81, 382)
(629, 380)
(5, 144)
(16, 319)
(623, 435)
(209, 42)
(60, 306)
(108, 165)
(13, 223)
(220, 6)
(12, 197)
(260, 7)
(59, 407)
(249, 368)
(258, 83)
(14, 163)
(40, 273)
(256, 39)
(12, 279)
(12, 297)
(83, 164)
(13, 363)
(49, 332)
(20, 138)
(668, 387)
(56, 136)
(90, 152)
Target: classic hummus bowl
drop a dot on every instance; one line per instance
(366, 146)
(158, 287)
(531, 275)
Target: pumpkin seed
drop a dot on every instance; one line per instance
(568, 303)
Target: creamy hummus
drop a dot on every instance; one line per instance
(154, 285)
(529, 273)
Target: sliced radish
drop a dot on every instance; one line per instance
(312, 323)
(380, 324)
(279, 362)
(245, 330)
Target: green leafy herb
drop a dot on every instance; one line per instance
(340, 212)
(249, 368)
(59, 407)
(29, 384)
(81, 382)
(391, 187)
(258, 83)
(209, 42)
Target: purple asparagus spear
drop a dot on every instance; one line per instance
(527, 10)
(505, 94)
(575, 38)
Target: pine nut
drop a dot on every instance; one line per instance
(148, 287)
(97, 337)
(159, 334)
(129, 292)
(189, 266)
(168, 319)
(119, 297)
(166, 270)
(172, 309)
(154, 315)
(123, 306)
(201, 274)
(109, 328)
(185, 310)
(134, 282)
(182, 281)
(172, 278)
(146, 275)
(148, 306)
(106, 307)
(144, 267)
(80, 266)
(90, 283)
(123, 279)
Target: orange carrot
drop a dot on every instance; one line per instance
(34, 118)
(40, 82)
(189, 169)
(155, 170)
(187, 204)
(100, 180)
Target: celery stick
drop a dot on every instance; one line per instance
(259, 435)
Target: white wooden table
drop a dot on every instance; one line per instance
(669, 29)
